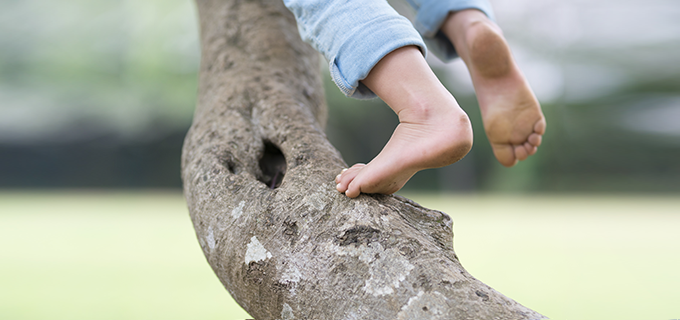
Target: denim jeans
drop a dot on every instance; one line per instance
(354, 35)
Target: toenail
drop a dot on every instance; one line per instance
(343, 170)
(337, 186)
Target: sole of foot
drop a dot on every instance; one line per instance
(512, 116)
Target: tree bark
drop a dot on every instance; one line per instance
(258, 179)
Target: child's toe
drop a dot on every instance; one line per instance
(539, 127)
(531, 149)
(353, 190)
(521, 153)
(347, 176)
(535, 139)
(505, 154)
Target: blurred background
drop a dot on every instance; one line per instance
(96, 97)
(100, 94)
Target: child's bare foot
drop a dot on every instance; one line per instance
(512, 117)
(433, 131)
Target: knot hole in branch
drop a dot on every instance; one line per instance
(272, 165)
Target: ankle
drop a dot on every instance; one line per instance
(481, 45)
(429, 107)
(441, 117)
(460, 21)
(461, 28)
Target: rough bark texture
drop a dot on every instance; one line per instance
(258, 178)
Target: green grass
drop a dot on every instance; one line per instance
(133, 255)
(573, 257)
(104, 256)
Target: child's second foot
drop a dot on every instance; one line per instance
(433, 131)
(512, 116)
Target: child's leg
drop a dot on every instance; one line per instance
(353, 36)
(511, 114)
(372, 50)
(433, 130)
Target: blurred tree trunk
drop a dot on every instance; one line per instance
(258, 179)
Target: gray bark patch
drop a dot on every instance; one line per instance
(287, 312)
(387, 270)
(238, 211)
(387, 267)
(424, 306)
(256, 251)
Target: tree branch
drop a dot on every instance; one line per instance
(258, 179)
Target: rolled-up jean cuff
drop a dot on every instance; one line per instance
(431, 16)
(355, 59)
